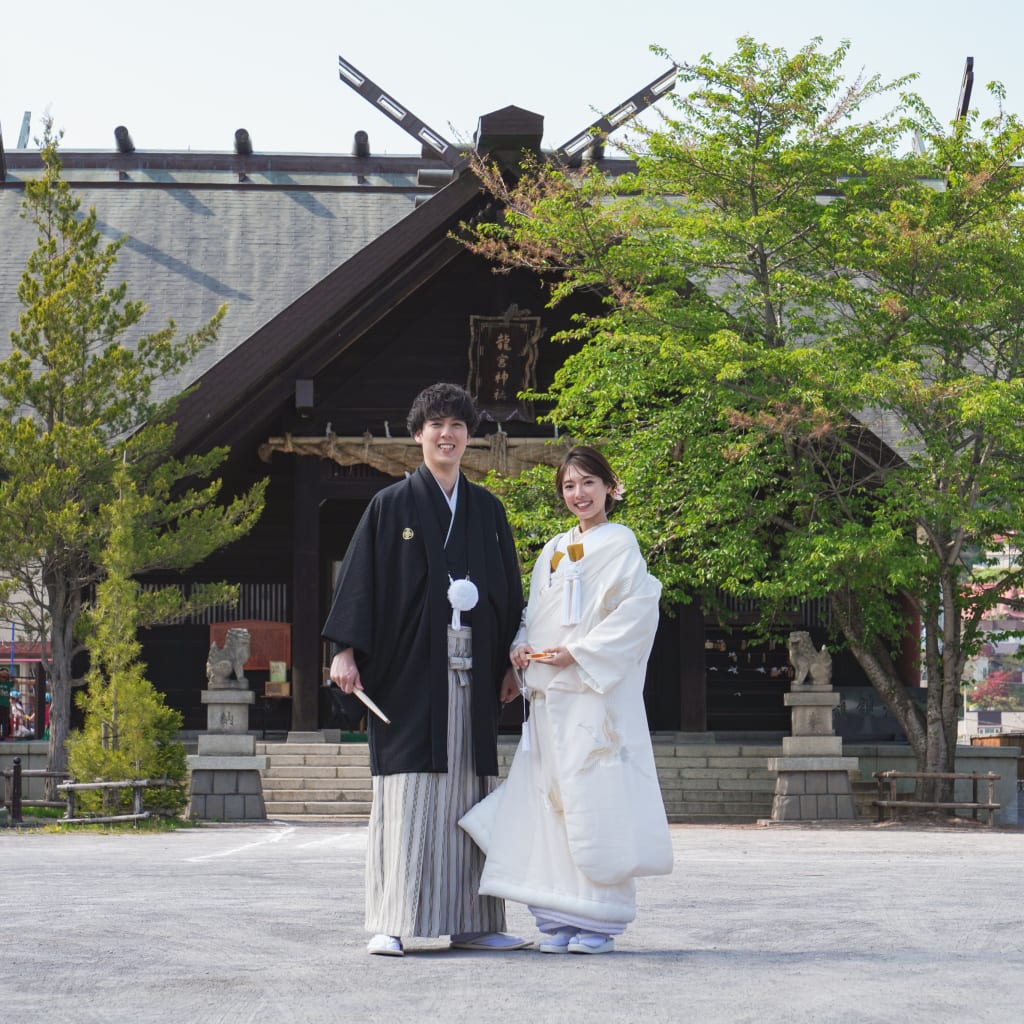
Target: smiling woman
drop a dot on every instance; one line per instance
(588, 486)
(581, 814)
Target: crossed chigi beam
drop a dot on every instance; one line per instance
(435, 142)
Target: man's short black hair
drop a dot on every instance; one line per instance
(439, 401)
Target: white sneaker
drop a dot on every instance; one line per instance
(385, 945)
(591, 942)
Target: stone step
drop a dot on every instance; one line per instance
(356, 751)
(330, 796)
(318, 792)
(334, 819)
(338, 799)
(274, 781)
(325, 771)
(316, 757)
(317, 781)
(320, 808)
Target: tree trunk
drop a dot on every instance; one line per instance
(932, 737)
(884, 676)
(60, 723)
(945, 665)
(64, 611)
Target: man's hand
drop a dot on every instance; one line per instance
(344, 671)
(509, 686)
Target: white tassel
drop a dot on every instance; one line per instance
(462, 595)
(572, 597)
(524, 741)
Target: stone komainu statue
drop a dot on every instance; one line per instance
(810, 667)
(223, 662)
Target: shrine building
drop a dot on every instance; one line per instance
(347, 294)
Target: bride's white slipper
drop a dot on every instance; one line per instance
(558, 942)
(591, 942)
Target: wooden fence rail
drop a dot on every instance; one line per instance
(11, 788)
(888, 781)
(8, 776)
(12, 797)
(137, 786)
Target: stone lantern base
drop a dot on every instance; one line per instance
(813, 778)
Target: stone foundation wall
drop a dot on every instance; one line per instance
(803, 796)
(225, 795)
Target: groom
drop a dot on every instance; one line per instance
(438, 675)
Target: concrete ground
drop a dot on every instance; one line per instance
(247, 923)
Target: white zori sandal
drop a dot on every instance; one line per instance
(385, 945)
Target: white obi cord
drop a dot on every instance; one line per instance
(572, 594)
(572, 580)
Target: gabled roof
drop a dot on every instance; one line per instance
(308, 252)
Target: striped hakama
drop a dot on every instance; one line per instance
(422, 870)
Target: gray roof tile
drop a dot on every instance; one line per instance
(190, 249)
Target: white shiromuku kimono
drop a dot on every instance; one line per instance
(581, 814)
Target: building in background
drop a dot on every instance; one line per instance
(347, 293)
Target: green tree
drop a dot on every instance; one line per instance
(809, 368)
(76, 401)
(129, 733)
(534, 511)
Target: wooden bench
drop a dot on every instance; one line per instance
(888, 781)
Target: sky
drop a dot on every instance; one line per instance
(186, 75)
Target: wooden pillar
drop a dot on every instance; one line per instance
(693, 699)
(306, 624)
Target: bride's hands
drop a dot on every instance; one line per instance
(520, 655)
(557, 657)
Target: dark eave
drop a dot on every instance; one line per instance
(175, 160)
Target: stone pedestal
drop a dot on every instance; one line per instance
(226, 788)
(227, 719)
(813, 777)
(226, 784)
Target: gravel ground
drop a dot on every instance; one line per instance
(240, 923)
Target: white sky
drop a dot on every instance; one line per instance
(186, 74)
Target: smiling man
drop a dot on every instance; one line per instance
(427, 603)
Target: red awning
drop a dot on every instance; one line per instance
(24, 653)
